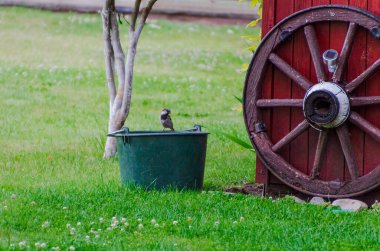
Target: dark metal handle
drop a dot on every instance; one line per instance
(121, 132)
(196, 128)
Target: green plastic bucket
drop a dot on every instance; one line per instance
(157, 159)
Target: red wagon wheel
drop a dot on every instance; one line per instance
(328, 105)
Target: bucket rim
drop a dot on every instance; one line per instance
(196, 131)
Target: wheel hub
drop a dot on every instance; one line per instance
(326, 105)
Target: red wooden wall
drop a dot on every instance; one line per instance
(365, 51)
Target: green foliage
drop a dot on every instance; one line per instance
(53, 119)
(253, 39)
(231, 136)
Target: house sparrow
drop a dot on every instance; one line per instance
(166, 121)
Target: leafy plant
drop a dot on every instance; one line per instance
(232, 136)
(254, 39)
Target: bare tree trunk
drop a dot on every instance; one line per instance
(120, 101)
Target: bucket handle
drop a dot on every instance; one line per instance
(197, 128)
(121, 132)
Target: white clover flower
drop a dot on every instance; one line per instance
(13, 196)
(64, 208)
(114, 219)
(156, 225)
(87, 238)
(217, 223)
(101, 219)
(97, 236)
(175, 222)
(241, 218)
(140, 226)
(189, 219)
(153, 221)
(139, 220)
(190, 227)
(43, 245)
(126, 224)
(79, 223)
(109, 228)
(68, 225)
(123, 220)
(113, 225)
(71, 248)
(37, 244)
(46, 224)
(235, 222)
(33, 203)
(22, 244)
(72, 231)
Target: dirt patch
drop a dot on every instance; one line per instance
(260, 190)
(249, 188)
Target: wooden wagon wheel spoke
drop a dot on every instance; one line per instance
(279, 103)
(290, 71)
(365, 101)
(300, 128)
(348, 152)
(366, 126)
(320, 154)
(312, 42)
(363, 77)
(345, 53)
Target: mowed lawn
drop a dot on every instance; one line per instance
(57, 191)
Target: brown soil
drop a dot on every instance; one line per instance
(249, 188)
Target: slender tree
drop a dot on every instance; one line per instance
(120, 95)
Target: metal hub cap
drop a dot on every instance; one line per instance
(326, 105)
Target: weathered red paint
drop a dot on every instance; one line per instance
(365, 51)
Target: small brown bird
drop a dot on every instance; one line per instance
(166, 120)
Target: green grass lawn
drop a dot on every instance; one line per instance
(56, 189)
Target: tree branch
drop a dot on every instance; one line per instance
(144, 17)
(135, 14)
(108, 51)
(118, 52)
(133, 40)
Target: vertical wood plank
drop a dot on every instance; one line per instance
(323, 35)
(301, 62)
(357, 63)
(280, 120)
(281, 83)
(372, 148)
(268, 21)
(335, 162)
